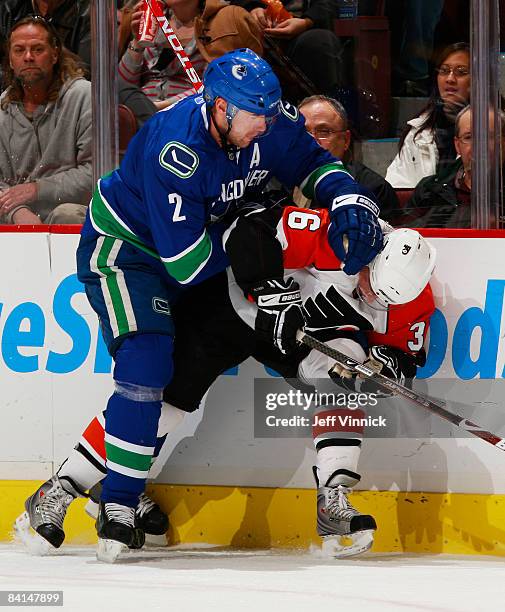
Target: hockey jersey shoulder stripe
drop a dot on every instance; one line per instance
(106, 221)
(185, 266)
(309, 184)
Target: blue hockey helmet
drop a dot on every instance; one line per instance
(244, 80)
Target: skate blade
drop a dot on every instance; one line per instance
(108, 551)
(156, 540)
(34, 543)
(340, 547)
(91, 509)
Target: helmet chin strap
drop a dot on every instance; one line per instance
(230, 149)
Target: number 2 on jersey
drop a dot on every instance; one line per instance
(175, 198)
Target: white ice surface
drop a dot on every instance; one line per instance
(206, 578)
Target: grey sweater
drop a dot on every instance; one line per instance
(53, 149)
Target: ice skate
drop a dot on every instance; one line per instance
(116, 530)
(345, 531)
(40, 527)
(148, 516)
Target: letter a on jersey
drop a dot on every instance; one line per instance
(179, 159)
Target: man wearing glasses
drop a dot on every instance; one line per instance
(326, 120)
(443, 199)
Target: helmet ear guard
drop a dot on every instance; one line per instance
(403, 268)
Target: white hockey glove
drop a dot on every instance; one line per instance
(280, 313)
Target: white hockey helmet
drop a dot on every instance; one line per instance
(401, 271)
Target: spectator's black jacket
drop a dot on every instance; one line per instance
(435, 203)
(71, 19)
(321, 12)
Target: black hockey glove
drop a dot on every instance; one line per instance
(391, 362)
(331, 310)
(280, 313)
(355, 216)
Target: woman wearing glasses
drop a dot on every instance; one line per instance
(428, 142)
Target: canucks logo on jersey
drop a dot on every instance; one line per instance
(175, 179)
(179, 159)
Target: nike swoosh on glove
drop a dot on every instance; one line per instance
(355, 216)
(280, 313)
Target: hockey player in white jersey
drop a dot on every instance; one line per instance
(294, 247)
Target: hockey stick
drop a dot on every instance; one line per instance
(276, 55)
(398, 389)
(174, 42)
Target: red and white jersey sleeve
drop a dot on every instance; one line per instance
(303, 234)
(407, 324)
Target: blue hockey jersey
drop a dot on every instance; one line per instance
(175, 180)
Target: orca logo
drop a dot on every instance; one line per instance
(179, 159)
(289, 110)
(406, 249)
(239, 71)
(160, 305)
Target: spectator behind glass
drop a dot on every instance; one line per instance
(326, 120)
(307, 38)
(443, 200)
(206, 30)
(428, 142)
(45, 129)
(70, 19)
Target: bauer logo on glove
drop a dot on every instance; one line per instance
(355, 217)
(280, 313)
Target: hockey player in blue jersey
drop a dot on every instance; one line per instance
(155, 226)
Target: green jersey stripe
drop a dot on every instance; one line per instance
(184, 268)
(134, 461)
(104, 252)
(119, 297)
(308, 186)
(106, 221)
(93, 266)
(117, 303)
(116, 295)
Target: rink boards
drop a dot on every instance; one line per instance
(228, 485)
